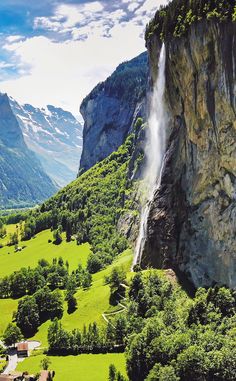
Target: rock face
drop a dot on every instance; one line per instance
(55, 136)
(111, 109)
(192, 222)
(22, 179)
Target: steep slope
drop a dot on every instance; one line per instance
(110, 110)
(22, 179)
(55, 136)
(192, 219)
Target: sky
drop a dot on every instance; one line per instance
(56, 51)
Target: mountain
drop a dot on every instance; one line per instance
(191, 225)
(111, 109)
(55, 136)
(22, 179)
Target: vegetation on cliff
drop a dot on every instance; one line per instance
(90, 207)
(175, 19)
(129, 78)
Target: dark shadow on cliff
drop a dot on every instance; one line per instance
(185, 283)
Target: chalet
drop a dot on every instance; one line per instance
(22, 349)
(9, 377)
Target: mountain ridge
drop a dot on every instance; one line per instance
(21, 174)
(55, 136)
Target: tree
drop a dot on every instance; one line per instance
(71, 301)
(162, 373)
(50, 304)
(12, 335)
(57, 237)
(27, 317)
(45, 363)
(86, 280)
(94, 264)
(112, 373)
(136, 286)
(192, 363)
(120, 329)
(58, 338)
(13, 239)
(116, 278)
(18, 285)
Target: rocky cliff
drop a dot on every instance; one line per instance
(192, 222)
(111, 109)
(22, 179)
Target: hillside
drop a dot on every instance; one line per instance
(55, 136)
(22, 179)
(91, 207)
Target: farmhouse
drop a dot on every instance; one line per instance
(8, 377)
(22, 349)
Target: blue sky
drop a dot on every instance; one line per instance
(56, 51)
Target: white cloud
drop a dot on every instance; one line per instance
(14, 38)
(63, 73)
(132, 6)
(5, 65)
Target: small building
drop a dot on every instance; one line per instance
(9, 377)
(22, 349)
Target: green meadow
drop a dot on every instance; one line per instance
(7, 307)
(84, 367)
(92, 303)
(38, 248)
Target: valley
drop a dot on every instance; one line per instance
(117, 239)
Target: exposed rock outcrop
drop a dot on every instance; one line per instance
(192, 222)
(111, 109)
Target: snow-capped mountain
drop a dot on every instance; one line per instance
(23, 181)
(55, 136)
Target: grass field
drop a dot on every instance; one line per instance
(38, 248)
(7, 307)
(77, 368)
(92, 303)
(10, 230)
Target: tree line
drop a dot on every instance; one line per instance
(175, 19)
(91, 339)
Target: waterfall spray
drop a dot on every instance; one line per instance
(154, 149)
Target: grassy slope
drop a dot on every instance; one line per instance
(38, 248)
(83, 367)
(10, 230)
(91, 303)
(7, 306)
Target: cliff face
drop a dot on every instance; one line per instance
(111, 109)
(192, 222)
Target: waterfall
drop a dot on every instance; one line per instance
(154, 150)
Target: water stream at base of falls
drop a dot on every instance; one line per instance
(154, 150)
